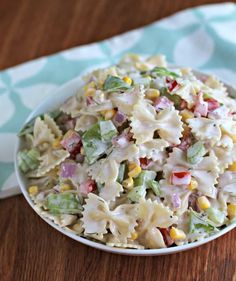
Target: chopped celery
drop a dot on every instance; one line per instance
(93, 144)
(27, 129)
(64, 203)
(113, 83)
(137, 193)
(175, 99)
(206, 96)
(28, 160)
(198, 223)
(55, 113)
(195, 153)
(144, 177)
(107, 129)
(215, 215)
(141, 183)
(162, 71)
(121, 173)
(155, 187)
(172, 97)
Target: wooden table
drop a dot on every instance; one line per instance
(29, 248)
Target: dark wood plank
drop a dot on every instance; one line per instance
(30, 29)
(32, 250)
(29, 248)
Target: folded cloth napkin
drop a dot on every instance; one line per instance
(203, 37)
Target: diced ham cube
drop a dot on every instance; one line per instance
(72, 142)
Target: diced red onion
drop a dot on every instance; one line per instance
(192, 202)
(87, 187)
(89, 101)
(79, 158)
(176, 201)
(181, 178)
(186, 141)
(119, 118)
(162, 103)
(68, 169)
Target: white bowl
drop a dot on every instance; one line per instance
(54, 101)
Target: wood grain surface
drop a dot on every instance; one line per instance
(29, 248)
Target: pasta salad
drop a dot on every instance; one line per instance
(142, 157)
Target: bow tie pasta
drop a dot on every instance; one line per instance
(143, 156)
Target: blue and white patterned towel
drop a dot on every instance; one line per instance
(203, 37)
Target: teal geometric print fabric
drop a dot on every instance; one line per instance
(203, 37)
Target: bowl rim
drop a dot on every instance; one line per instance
(69, 89)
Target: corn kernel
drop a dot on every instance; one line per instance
(233, 137)
(90, 92)
(132, 57)
(131, 166)
(177, 234)
(185, 70)
(226, 132)
(135, 172)
(231, 210)
(232, 167)
(134, 235)
(65, 187)
(152, 94)
(186, 114)
(56, 143)
(33, 190)
(109, 114)
(128, 183)
(193, 184)
(89, 85)
(127, 80)
(203, 202)
(102, 112)
(141, 66)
